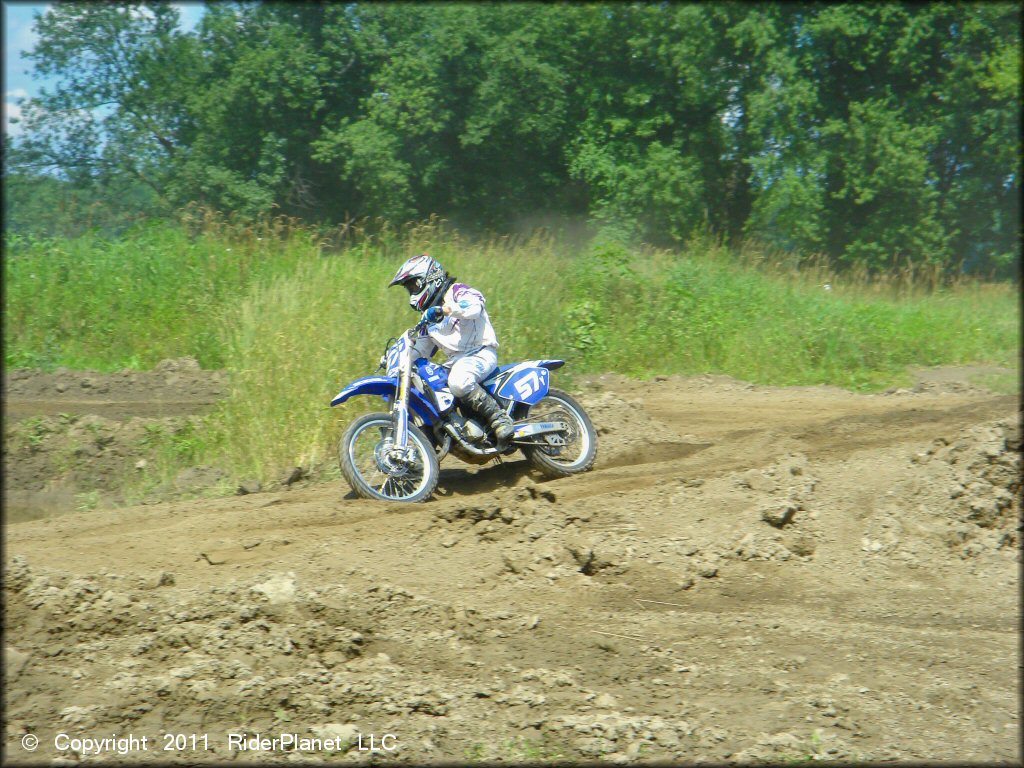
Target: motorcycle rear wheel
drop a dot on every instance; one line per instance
(579, 452)
(375, 472)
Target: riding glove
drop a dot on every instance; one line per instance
(433, 315)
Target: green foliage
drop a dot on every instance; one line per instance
(102, 303)
(122, 72)
(290, 336)
(87, 502)
(31, 433)
(862, 117)
(515, 750)
(38, 204)
(869, 132)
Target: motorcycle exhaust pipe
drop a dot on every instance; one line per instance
(450, 429)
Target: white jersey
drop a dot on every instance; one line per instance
(465, 329)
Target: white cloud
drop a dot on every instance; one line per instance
(12, 111)
(17, 93)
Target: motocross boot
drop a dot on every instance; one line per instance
(488, 407)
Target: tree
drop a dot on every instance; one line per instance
(876, 125)
(272, 76)
(872, 133)
(118, 106)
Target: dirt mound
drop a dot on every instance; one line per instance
(76, 439)
(174, 388)
(749, 574)
(53, 464)
(172, 381)
(979, 471)
(629, 435)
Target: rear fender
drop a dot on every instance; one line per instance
(492, 377)
(385, 387)
(549, 364)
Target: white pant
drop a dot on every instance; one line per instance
(469, 369)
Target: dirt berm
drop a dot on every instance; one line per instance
(749, 574)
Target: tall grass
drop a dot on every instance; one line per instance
(702, 310)
(292, 342)
(93, 302)
(295, 340)
(293, 315)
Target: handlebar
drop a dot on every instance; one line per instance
(414, 331)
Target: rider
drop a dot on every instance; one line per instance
(457, 323)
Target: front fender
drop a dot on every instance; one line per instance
(368, 385)
(385, 386)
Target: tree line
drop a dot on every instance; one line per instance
(872, 133)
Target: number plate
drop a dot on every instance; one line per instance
(526, 385)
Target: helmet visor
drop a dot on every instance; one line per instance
(414, 285)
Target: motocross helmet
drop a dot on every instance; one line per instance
(425, 280)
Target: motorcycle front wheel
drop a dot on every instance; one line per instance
(579, 449)
(377, 470)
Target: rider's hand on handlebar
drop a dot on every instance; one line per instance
(433, 315)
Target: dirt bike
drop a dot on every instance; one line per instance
(395, 456)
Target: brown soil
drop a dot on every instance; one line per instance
(75, 439)
(749, 574)
(173, 388)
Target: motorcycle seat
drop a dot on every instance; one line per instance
(489, 378)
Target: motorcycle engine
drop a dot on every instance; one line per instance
(473, 432)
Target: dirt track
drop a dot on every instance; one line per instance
(780, 574)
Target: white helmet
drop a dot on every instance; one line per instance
(425, 280)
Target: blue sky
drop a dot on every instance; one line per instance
(19, 36)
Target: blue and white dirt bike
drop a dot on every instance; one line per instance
(394, 456)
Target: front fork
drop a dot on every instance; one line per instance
(400, 409)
